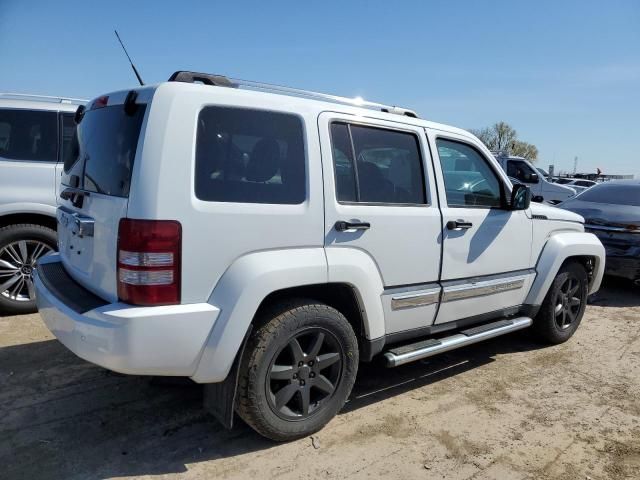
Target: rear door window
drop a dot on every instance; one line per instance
(376, 165)
(101, 154)
(249, 156)
(28, 135)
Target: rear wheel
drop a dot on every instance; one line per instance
(20, 248)
(297, 370)
(564, 305)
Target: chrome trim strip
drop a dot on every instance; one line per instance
(414, 299)
(477, 289)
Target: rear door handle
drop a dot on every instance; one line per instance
(342, 226)
(459, 225)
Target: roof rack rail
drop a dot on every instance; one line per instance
(42, 98)
(223, 81)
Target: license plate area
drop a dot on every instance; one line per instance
(75, 238)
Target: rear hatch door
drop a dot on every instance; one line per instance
(95, 190)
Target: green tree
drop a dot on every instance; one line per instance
(503, 137)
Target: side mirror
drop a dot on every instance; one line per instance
(532, 178)
(520, 197)
(537, 198)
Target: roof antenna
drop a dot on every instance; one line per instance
(132, 65)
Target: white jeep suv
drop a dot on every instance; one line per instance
(34, 134)
(264, 241)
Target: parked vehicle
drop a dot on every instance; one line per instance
(278, 237)
(612, 212)
(578, 184)
(34, 134)
(521, 169)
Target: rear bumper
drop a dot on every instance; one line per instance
(163, 340)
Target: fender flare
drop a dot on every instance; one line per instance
(251, 278)
(559, 248)
(28, 208)
(238, 294)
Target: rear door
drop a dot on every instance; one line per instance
(28, 155)
(379, 202)
(486, 260)
(95, 181)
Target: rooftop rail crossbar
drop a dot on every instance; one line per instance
(222, 81)
(42, 98)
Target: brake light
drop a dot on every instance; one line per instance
(100, 102)
(149, 261)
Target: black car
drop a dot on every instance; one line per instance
(612, 212)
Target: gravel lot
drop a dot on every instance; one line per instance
(503, 409)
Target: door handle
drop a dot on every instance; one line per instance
(459, 225)
(342, 226)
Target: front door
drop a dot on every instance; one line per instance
(486, 261)
(381, 210)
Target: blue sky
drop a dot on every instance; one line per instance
(565, 74)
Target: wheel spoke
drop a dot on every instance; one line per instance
(31, 289)
(41, 249)
(281, 372)
(13, 254)
(574, 301)
(571, 316)
(24, 254)
(305, 395)
(4, 265)
(322, 383)
(327, 359)
(284, 395)
(317, 345)
(9, 283)
(296, 350)
(558, 309)
(17, 288)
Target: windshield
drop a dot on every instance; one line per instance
(102, 151)
(616, 194)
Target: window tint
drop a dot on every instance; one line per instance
(388, 166)
(618, 194)
(468, 179)
(102, 150)
(28, 135)
(249, 156)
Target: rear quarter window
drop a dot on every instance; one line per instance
(28, 135)
(249, 156)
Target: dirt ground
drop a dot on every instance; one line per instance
(505, 409)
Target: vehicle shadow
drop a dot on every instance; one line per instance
(616, 292)
(65, 418)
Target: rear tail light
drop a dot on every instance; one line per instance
(149, 261)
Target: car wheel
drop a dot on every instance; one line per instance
(564, 305)
(20, 248)
(297, 370)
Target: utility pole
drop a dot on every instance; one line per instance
(575, 165)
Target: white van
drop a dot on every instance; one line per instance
(520, 169)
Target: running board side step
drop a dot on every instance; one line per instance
(427, 348)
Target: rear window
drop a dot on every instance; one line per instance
(28, 135)
(100, 157)
(613, 193)
(249, 156)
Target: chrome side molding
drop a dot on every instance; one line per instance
(415, 299)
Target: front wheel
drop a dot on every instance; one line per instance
(564, 305)
(297, 370)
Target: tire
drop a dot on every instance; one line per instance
(271, 396)
(20, 247)
(563, 306)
